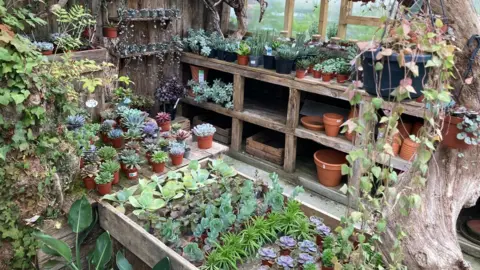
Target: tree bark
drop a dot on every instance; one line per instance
(452, 182)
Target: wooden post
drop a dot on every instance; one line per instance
(290, 153)
(323, 19)
(345, 9)
(237, 131)
(354, 181)
(293, 109)
(288, 18)
(238, 92)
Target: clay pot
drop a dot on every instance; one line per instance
(285, 252)
(416, 128)
(47, 52)
(158, 167)
(332, 123)
(110, 32)
(242, 60)
(404, 129)
(196, 73)
(450, 131)
(326, 77)
(397, 143)
(310, 69)
(104, 189)
(148, 156)
(327, 268)
(205, 142)
(420, 99)
(176, 159)
(117, 143)
(319, 241)
(409, 148)
(300, 73)
(116, 178)
(341, 78)
(89, 183)
(329, 166)
(165, 126)
(353, 113)
(267, 263)
(82, 163)
(313, 122)
(123, 167)
(105, 138)
(132, 174)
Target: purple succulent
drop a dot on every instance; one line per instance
(150, 129)
(165, 135)
(304, 258)
(287, 242)
(323, 230)
(110, 122)
(316, 220)
(308, 246)
(267, 254)
(286, 262)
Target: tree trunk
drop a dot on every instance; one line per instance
(452, 182)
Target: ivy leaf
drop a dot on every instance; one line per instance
(438, 23)
(376, 171)
(345, 169)
(19, 97)
(377, 102)
(378, 66)
(381, 224)
(365, 184)
(444, 96)
(415, 201)
(413, 68)
(38, 111)
(5, 98)
(4, 151)
(424, 156)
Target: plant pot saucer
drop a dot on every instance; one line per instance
(313, 122)
(470, 231)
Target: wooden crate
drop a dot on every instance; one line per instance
(223, 134)
(184, 121)
(268, 146)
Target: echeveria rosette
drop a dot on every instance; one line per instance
(287, 242)
(308, 246)
(304, 258)
(316, 221)
(267, 254)
(323, 230)
(150, 130)
(286, 262)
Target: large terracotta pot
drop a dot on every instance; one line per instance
(176, 159)
(332, 122)
(89, 183)
(158, 167)
(132, 174)
(196, 71)
(242, 60)
(409, 148)
(450, 131)
(165, 126)
(116, 178)
(205, 142)
(329, 166)
(104, 189)
(405, 129)
(313, 122)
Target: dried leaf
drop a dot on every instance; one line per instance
(351, 125)
(387, 52)
(413, 68)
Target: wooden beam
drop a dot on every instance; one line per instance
(293, 110)
(323, 19)
(238, 92)
(237, 133)
(359, 20)
(290, 153)
(345, 9)
(288, 17)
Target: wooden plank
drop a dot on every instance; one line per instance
(293, 110)
(98, 55)
(290, 153)
(288, 17)
(312, 184)
(237, 133)
(339, 143)
(345, 6)
(360, 20)
(224, 17)
(323, 19)
(238, 92)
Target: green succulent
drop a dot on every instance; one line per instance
(159, 157)
(145, 203)
(104, 177)
(327, 257)
(193, 253)
(107, 153)
(243, 49)
(132, 161)
(111, 166)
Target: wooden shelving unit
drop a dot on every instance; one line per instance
(286, 120)
(140, 19)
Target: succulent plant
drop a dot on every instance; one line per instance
(115, 133)
(132, 161)
(134, 121)
(75, 122)
(304, 258)
(106, 126)
(151, 147)
(159, 157)
(89, 171)
(133, 134)
(316, 221)
(150, 130)
(287, 242)
(43, 46)
(308, 246)
(310, 266)
(176, 127)
(104, 177)
(182, 135)
(133, 145)
(163, 143)
(177, 149)
(107, 153)
(267, 254)
(111, 166)
(149, 140)
(323, 230)
(108, 114)
(91, 157)
(162, 117)
(170, 91)
(193, 253)
(286, 262)
(327, 257)
(204, 130)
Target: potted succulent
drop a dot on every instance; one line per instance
(343, 70)
(286, 262)
(268, 57)
(327, 259)
(284, 59)
(104, 182)
(163, 121)
(302, 68)
(409, 147)
(105, 128)
(231, 47)
(204, 133)
(332, 122)
(89, 173)
(132, 165)
(317, 71)
(287, 244)
(328, 69)
(107, 153)
(132, 135)
(268, 256)
(158, 161)
(307, 246)
(176, 153)
(242, 53)
(113, 167)
(197, 41)
(193, 254)
(310, 266)
(45, 47)
(460, 128)
(304, 258)
(150, 148)
(182, 135)
(116, 137)
(168, 93)
(255, 58)
(150, 130)
(123, 154)
(75, 122)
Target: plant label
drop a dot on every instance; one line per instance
(268, 50)
(91, 103)
(201, 76)
(252, 62)
(132, 174)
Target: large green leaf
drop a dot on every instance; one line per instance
(80, 215)
(83, 235)
(54, 246)
(163, 264)
(103, 251)
(122, 262)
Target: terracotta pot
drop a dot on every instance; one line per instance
(397, 143)
(420, 99)
(409, 148)
(47, 52)
(205, 142)
(450, 131)
(310, 69)
(148, 155)
(317, 74)
(242, 60)
(329, 166)
(404, 129)
(267, 263)
(165, 126)
(326, 77)
(416, 128)
(110, 32)
(176, 159)
(285, 252)
(104, 189)
(116, 178)
(117, 143)
(332, 123)
(105, 138)
(313, 122)
(327, 268)
(353, 113)
(158, 167)
(300, 73)
(89, 183)
(341, 78)
(132, 174)
(123, 167)
(319, 241)
(196, 73)
(82, 163)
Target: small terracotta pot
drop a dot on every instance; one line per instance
(409, 148)
(158, 167)
(176, 159)
(326, 77)
(116, 178)
(329, 166)
(319, 241)
(82, 163)
(416, 128)
(104, 189)
(148, 156)
(89, 183)
(313, 122)
(165, 126)
(332, 123)
(397, 143)
(285, 252)
(267, 263)
(47, 52)
(310, 69)
(110, 32)
(405, 129)
(132, 174)
(317, 74)
(242, 60)
(105, 138)
(341, 78)
(117, 143)
(195, 73)
(205, 142)
(300, 73)
(123, 167)
(450, 131)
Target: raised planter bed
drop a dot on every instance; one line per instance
(268, 146)
(224, 130)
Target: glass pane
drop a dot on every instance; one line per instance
(378, 9)
(306, 16)
(272, 19)
(363, 32)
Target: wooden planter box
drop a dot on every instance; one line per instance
(98, 55)
(223, 134)
(268, 146)
(150, 249)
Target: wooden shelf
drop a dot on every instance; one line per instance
(339, 143)
(139, 54)
(98, 55)
(139, 19)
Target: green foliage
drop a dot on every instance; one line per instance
(71, 24)
(193, 253)
(219, 92)
(145, 202)
(104, 177)
(327, 257)
(303, 64)
(243, 49)
(286, 52)
(107, 153)
(159, 157)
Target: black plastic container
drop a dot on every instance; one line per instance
(283, 66)
(269, 62)
(392, 74)
(230, 57)
(220, 54)
(213, 53)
